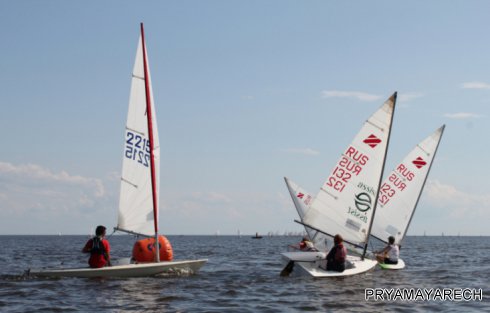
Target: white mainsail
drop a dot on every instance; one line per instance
(136, 207)
(401, 190)
(346, 202)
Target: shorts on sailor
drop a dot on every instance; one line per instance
(389, 261)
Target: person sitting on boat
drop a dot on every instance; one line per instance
(390, 254)
(306, 245)
(337, 255)
(99, 249)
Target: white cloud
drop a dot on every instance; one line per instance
(304, 151)
(457, 203)
(28, 187)
(475, 85)
(350, 94)
(462, 115)
(406, 97)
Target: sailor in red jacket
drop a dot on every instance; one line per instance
(99, 249)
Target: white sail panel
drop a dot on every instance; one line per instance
(302, 201)
(346, 200)
(136, 196)
(301, 198)
(400, 191)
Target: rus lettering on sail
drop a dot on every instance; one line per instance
(405, 172)
(351, 163)
(397, 182)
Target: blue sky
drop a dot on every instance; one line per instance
(246, 92)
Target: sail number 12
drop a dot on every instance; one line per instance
(137, 148)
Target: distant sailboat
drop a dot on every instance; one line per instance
(257, 236)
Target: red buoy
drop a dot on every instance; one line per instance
(144, 250)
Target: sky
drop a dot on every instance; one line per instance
(246, 92)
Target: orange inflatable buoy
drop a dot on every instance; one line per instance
(144, 250)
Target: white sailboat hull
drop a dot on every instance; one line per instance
(400, 265)
(127, 270)
(314, 266)
(304, 256)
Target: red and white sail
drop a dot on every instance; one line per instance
(140, 181)
(400, 192)
(346, 201)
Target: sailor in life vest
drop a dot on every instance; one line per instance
(337, 255)
(99, 249)
(306, 245)
(390, 254)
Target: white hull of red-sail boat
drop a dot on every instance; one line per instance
(314, 263)
(127, 270)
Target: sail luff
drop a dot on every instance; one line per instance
(423, 184)
(150, 131)
(380, 179)
(150, 137)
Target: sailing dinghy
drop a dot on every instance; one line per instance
(401, 191)
(140, 184)
(346, 202)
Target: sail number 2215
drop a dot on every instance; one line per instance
(137, 148)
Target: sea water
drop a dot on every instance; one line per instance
(242, 275)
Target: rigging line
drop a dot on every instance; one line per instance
(376, 237)
(113, 231)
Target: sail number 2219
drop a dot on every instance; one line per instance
(137, 148)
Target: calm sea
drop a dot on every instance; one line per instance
(242, 275)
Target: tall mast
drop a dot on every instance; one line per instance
(380, 179)
(150, 137)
